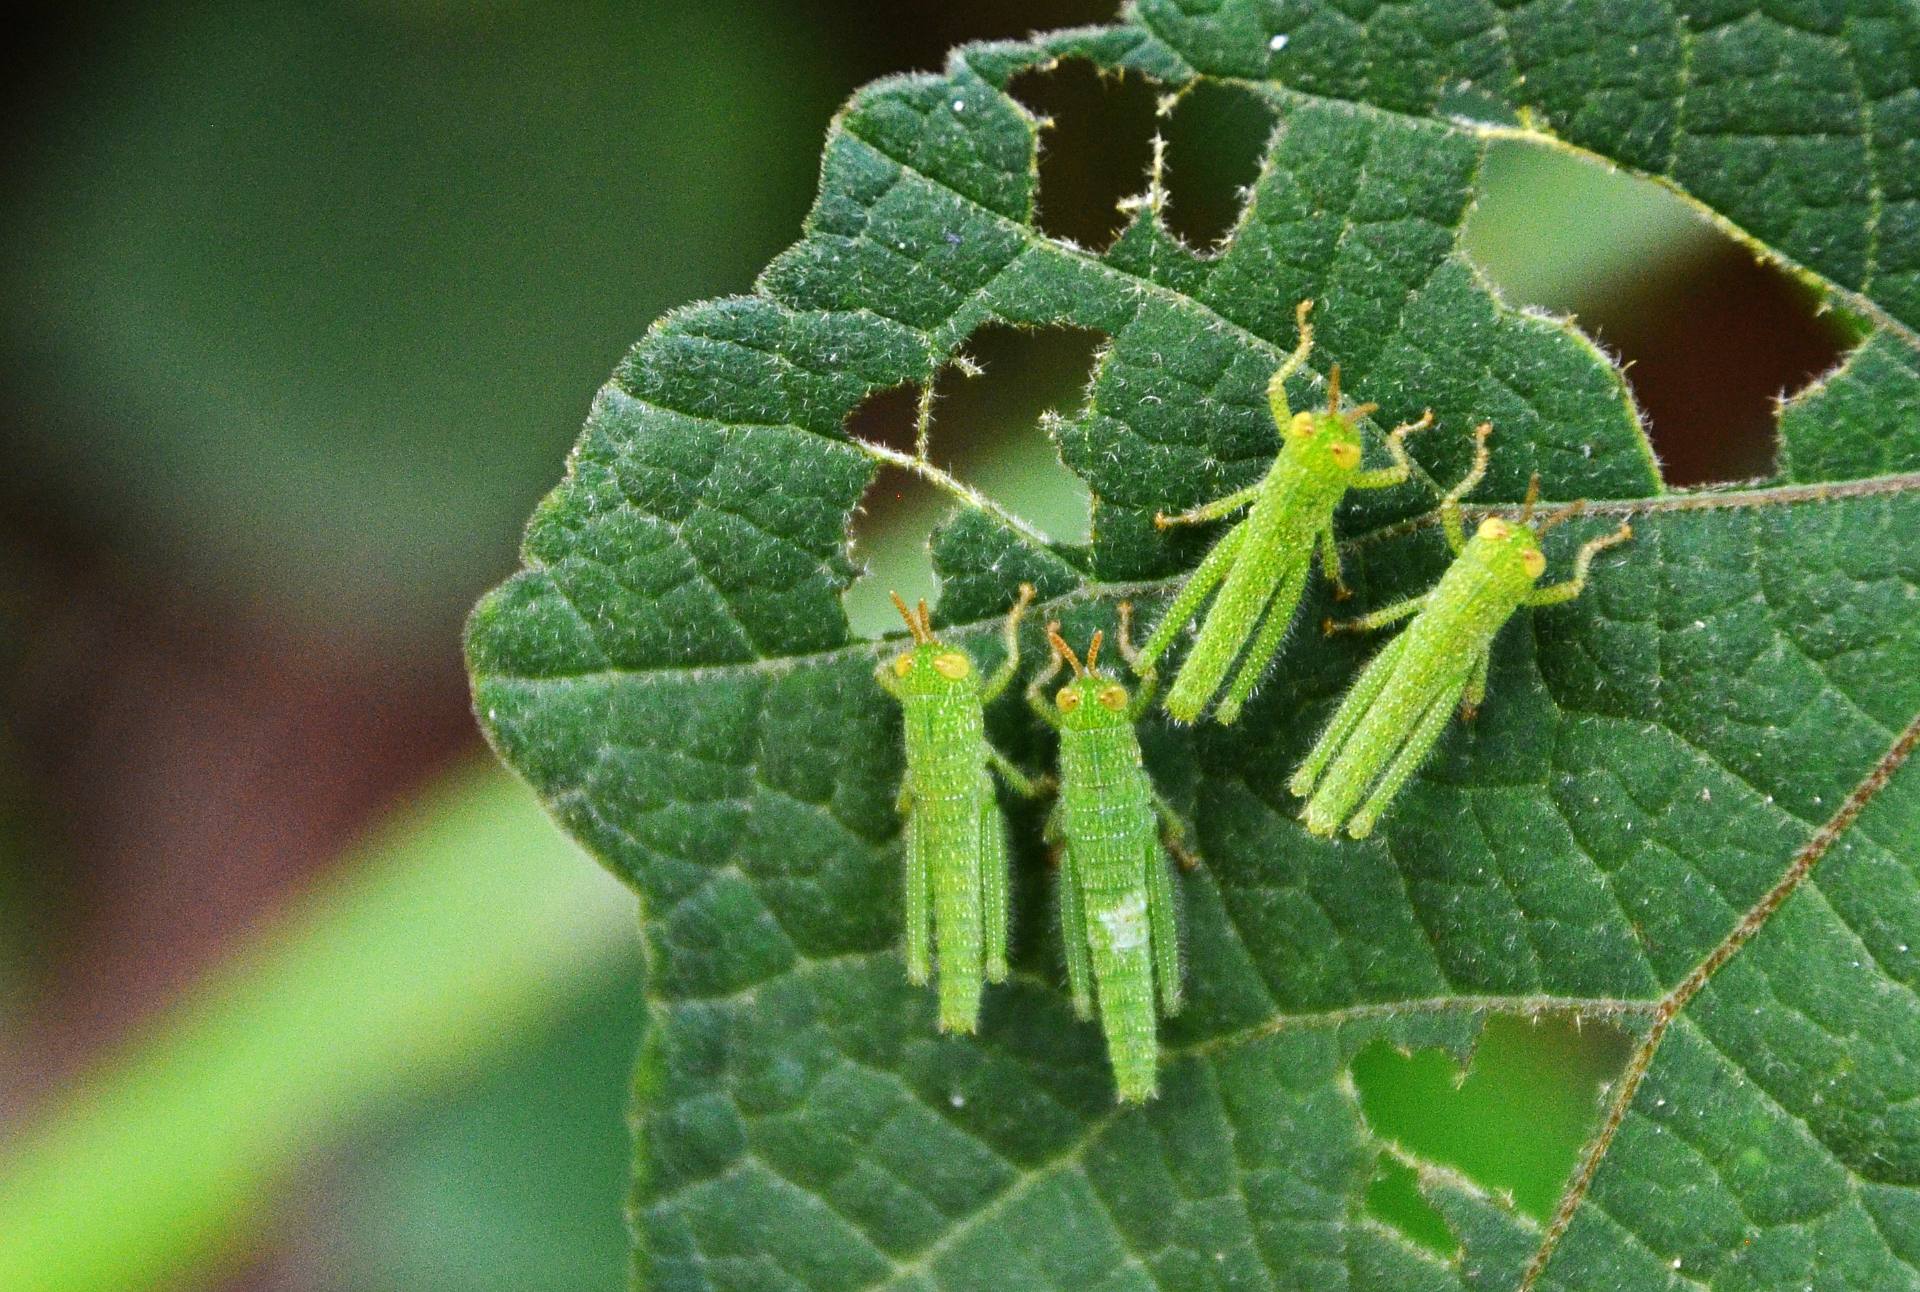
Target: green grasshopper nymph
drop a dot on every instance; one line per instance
(1260, 565)
(956, 838)
(1117, 916)
(1397, 708)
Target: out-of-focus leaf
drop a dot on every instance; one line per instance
(335, 278)
(454, 932)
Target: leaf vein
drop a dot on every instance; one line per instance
(1676, 1000)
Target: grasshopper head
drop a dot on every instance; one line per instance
(931, 667)
(1511, 548)
(1090, 699)
(1331, 437)
(934, 669)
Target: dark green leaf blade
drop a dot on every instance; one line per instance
(1863, 419)
(1680, 812)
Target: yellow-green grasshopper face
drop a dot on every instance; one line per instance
(1328, 441)
(1091, 701)
(934, 668)
(1510, 550)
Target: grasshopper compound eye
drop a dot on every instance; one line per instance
(1493, 528)
(952, 665)
(1113, 696)
(1535, 562)
(1068, 699)
(903, 666)
(1345, 456)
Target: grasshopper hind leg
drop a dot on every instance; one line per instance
(1200, 584)
(993, 884)
(919, 951)
(1164, 928)
(1073, 937)
(1406, 762)
(1385, 745)
(1273, 631)
(1373, 680)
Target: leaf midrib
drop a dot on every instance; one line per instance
(1782, 495)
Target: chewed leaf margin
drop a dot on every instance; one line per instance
(670, 545)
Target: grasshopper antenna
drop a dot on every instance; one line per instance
(919, 627)
(1533, 497)
(1064, 651)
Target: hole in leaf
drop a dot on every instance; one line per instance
(1393, 1197)
(991, 423)
(1710, 337)
(887, 417)
(890, 531)
(1216, 139)
(1712, 351)
(897, 507)
(1096, 153)
(986, 432)
(1517, 1120)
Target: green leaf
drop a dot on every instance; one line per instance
(1685, 809)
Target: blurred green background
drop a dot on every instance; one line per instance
(302, 307)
